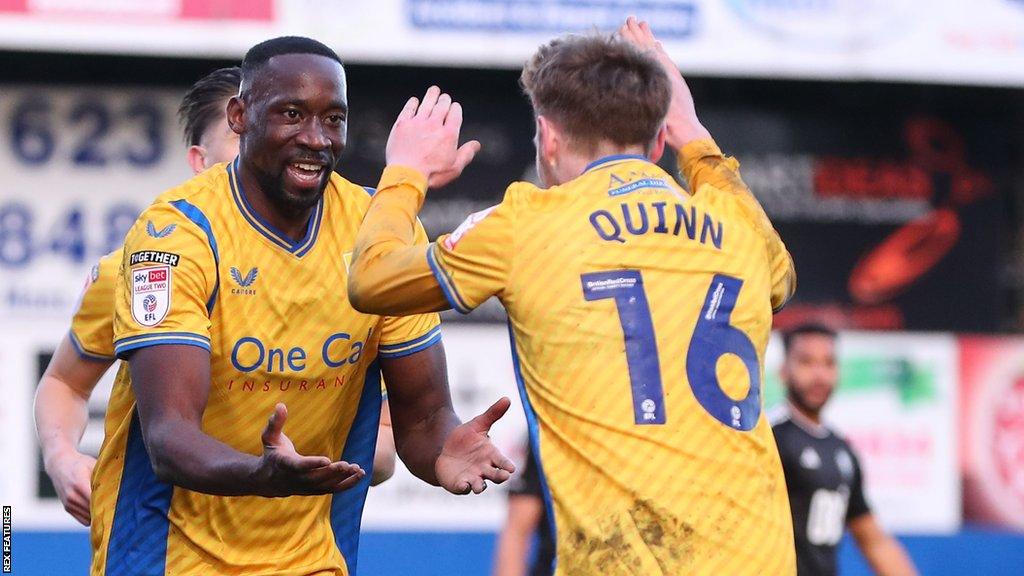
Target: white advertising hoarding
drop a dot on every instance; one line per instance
(479, 372)
(78, 166)
(946, 41)
(896, 405)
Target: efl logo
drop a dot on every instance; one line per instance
(151, 295)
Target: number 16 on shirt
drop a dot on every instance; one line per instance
(713, 337)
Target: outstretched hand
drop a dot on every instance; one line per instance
(469, 459)
(681, 121)
(285, 472)
(426, 137)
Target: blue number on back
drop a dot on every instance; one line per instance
(713, 337)
(627, 288)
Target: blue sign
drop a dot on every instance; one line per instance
(670, 18)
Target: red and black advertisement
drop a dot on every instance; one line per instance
(895, 222)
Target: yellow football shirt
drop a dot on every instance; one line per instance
(639, 317)
(201, 268)
(92, 326)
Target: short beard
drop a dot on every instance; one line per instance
(273, 189)
(796, 399)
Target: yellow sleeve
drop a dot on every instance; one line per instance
(703, 164)
(168, 282)
(404, 335)
(391, 276)
(473, 263)
(92, 326)
(389, 273)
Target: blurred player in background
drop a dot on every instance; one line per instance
(823, 476)
(526, 546)
(228, 309)
(87, 352)
(617, 284)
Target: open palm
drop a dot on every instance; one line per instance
(469, 459)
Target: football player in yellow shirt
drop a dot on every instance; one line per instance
(638, 313)
(230, 306)
(87, 352)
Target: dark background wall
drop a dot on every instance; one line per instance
(804, 144)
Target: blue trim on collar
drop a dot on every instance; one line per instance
(278, 238)
(614, 158)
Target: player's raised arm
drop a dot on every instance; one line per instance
(389, 274)
(681, 123)
(431, 440)
(702, 162)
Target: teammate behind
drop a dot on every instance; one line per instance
(87, 352)
(228, 310)
(617, 285)
(823, 476)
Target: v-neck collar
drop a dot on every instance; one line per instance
(298, 248)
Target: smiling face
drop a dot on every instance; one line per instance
(292, 122)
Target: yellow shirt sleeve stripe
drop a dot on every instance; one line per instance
(412, 346)
(125, 345)
(86, 354)
(447, 286)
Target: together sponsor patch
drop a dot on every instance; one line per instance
(154, 257)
